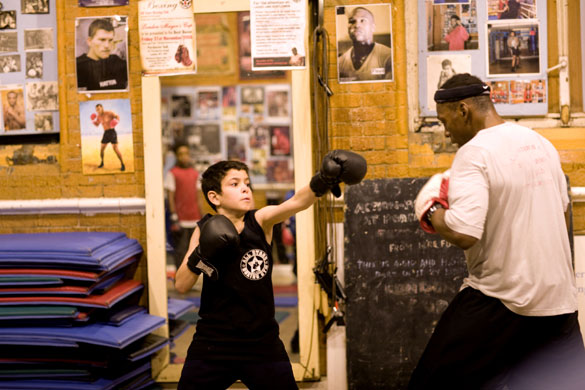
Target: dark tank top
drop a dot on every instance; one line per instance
(237, 310)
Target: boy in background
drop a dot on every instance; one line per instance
(184, 206)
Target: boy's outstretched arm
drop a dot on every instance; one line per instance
(338, 166)
(185, 278)
(269, 216)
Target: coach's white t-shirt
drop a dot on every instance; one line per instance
(508, 190)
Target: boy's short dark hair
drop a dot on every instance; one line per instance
(178, 145)
(212, 177)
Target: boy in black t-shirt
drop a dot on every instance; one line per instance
(237, 337)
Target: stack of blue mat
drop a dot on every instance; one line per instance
(69, 313)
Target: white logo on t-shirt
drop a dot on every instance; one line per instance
(254, 264)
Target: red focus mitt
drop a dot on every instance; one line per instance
(435, 190)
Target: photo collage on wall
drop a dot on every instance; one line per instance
(497, 40)
(248, 123)
(29, 90)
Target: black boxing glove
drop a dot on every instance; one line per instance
(218, 236)
(338, 166)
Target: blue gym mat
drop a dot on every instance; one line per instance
(138, 326)
(178, 307)
(99, 384)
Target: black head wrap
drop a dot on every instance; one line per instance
(459, 93)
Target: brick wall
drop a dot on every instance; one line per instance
(371, 119)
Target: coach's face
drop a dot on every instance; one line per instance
(361, 27)
(456, 120)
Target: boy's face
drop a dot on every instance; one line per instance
(183, 156)
(236, 193)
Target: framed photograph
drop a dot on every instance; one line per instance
(364, 50)
(252, 99)
(280, 142)
(513, 48)
(12, 98)
(34, 65)
(452, 26)
(44, 121)
(259, 136)
(38, 39)
(207, 104)
(101, 51)
(441, 68)
(10, 63)
(42, 96)
(102, 3)
(229, 98)
(237, 146)
(107, 145)
(8, 41)
(278, 104)
(35, 6)
(279, 170)
(181, 106)
(205, 138)
(499, 91)
(258, 163)
(511, 9)
(538, 91)
(7, 20)
(245, 53)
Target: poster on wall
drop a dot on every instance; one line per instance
(12, 97)
(28, 68)
(107, 145)
(245, 53)
(167, 37)
(513, 48)
(277, 34)
(215, 47)
(441, 68)
(364, 43)
(101, 54)
(452, 26)
(507, 46)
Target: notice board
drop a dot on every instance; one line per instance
(398, 279)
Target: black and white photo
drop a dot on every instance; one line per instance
(34, 65)
(10, 63)
(38, 39)
(42, 96)
(7, 20)
(44, 121)
(181, 106)
(35, 6)
(8, 42)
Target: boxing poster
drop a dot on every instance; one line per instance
(101, 54)
(278, 34)
(364, 43)
(106, 136)
(167, 37)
